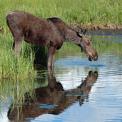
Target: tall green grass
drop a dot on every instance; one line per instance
(11, 67)
(71, 11)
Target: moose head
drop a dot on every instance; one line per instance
(86, 45)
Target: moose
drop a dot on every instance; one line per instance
(50, 32)
(54, 96)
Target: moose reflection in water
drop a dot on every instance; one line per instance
(52, 99)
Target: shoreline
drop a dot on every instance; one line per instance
(95, 27)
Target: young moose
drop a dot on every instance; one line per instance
(51, 32)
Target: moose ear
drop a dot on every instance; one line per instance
(79, 34)
(83, 31)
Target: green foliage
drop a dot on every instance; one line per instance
(72, 11)
(12, 67)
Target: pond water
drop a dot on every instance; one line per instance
(77, 91)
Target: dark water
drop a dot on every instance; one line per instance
(78, 90)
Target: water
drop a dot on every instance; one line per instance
(78, 90)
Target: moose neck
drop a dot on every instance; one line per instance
(72, 36)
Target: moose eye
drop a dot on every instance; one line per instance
(88, 43)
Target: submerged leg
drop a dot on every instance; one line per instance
(50, 63)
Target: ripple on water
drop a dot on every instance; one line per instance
(105, 98)
(76, 61)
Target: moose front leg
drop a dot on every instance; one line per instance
(50, 63)
(17, 47)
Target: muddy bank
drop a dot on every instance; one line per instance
(99, 26)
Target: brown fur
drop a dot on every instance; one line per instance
(51, 32)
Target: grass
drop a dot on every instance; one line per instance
(71, 11)
(11, 67)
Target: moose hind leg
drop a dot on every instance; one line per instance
(16, 32)
(17, 45)
(18, 36)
